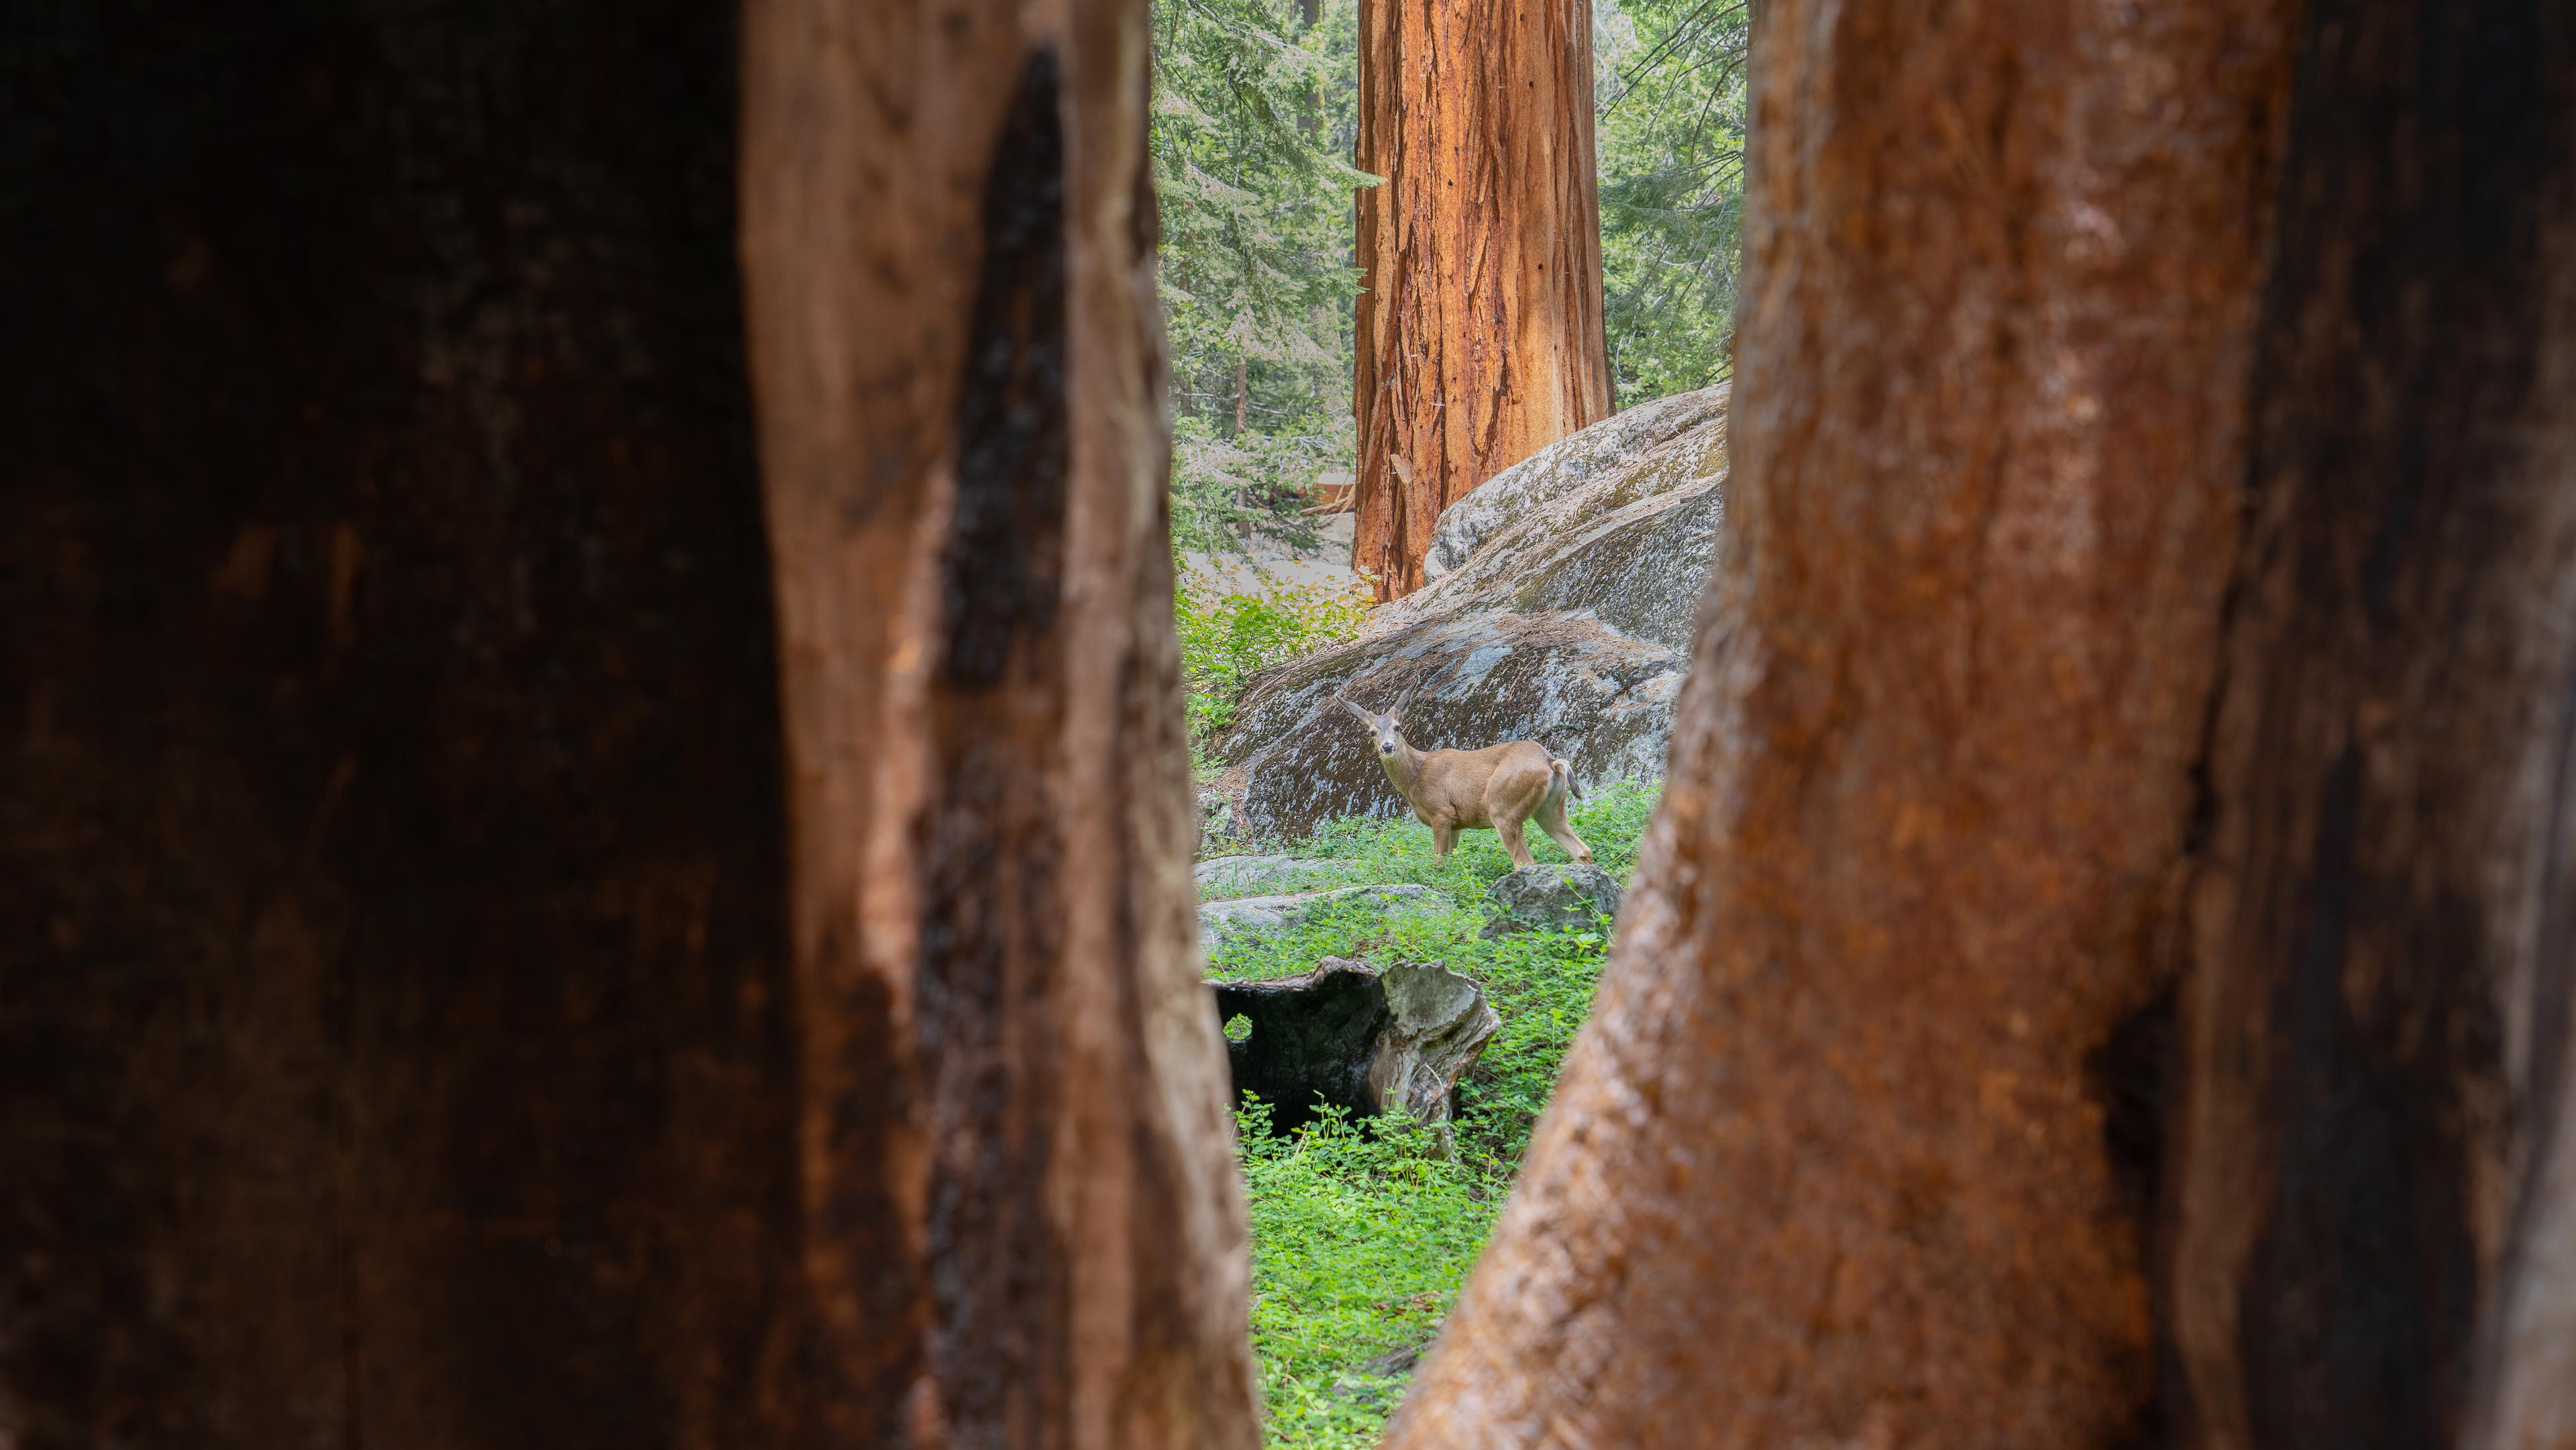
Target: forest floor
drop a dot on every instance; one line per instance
(1361, 1236)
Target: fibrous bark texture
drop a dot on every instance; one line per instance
(1479, 329)
(1026, 1225)
(1843, 1156)
(394, 1009)
(2376, 1168)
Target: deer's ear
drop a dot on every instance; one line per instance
(1365, 717)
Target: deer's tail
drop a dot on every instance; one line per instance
(1564, 774)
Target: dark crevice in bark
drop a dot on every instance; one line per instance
(1006, 542)
(2358, 1292)
(2131, 1074)
(396, 1045)
(2128, 1074)
(991, 859)
(2401, 336)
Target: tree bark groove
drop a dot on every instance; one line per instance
(1830, 1164)
(2375, 1220)
(1479, 328)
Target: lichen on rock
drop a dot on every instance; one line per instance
(1550, 898)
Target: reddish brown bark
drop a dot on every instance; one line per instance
(1479, 330)
(1028, 1224)
(2375, 1239)
(1835, 1161)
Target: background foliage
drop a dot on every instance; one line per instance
(1254, 117)
(1669, 106)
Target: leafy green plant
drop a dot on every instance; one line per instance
(1362, 1235)
(1228, 635)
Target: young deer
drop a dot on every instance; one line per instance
(1498, 787)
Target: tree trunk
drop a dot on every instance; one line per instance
(1014, 1101)
(395, 1014)
(440, 1010)
(1479, 330)
(1852, 1150)
(2376, 1209)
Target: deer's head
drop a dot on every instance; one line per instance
(1389, 734)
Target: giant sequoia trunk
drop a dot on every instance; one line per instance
(1479, 332)
(410, 1033)
(2376, 1216)
(1843, 1156)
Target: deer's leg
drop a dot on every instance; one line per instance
(1551, 819)
(1509, 828)
(1443, 836)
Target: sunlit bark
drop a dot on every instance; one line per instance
(1850, 1153)
(1014, 1114)
(1479, 333)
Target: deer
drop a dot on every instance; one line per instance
(1497, 788)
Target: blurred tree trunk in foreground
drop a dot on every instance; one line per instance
(1858, 1145)
(409, 1034)
(1016, 1112)
(397, 1005)
(1844, 1155)
(1479, 333)
(2376, 1162)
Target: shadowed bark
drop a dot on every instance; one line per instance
(395, 1014)
(2376, 1168)
(411, 1034)
(1479, 330)
(1830, 1163)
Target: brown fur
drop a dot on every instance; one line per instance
(1498, 788)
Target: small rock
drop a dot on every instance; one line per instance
(1537, 898)
(1368, 1385)
(1216, 817)
(1394, 1361)
(1221, 919)
(1235, 875)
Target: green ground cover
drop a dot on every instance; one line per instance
(1361, 1235)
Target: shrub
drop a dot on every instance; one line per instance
(1361, 1238)
(1228, 636)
